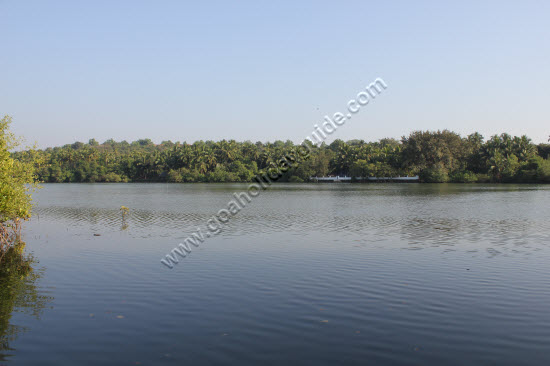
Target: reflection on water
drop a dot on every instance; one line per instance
(416, 216)
(18, 293)
(385, 274)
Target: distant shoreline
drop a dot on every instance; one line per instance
(433, 156)
(311, 183)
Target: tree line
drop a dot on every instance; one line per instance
(436, 156)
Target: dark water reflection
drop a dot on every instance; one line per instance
(306, 274)
(419, 215)
(18, 294)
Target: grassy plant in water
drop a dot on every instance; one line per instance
(125, 211)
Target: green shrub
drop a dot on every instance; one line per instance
(174, 176)
(464, 177)
(536, 170)
(543, 171)
(221, 175)
(435, 174)
(113, 178)
(17, 180)
(483, 178)
(295, 179)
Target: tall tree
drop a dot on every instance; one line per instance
(17, 180)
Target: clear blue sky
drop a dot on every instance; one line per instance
(267, 70)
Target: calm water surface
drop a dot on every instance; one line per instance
(330, 274)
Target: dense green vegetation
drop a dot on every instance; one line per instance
(17, 289)
(16, 181)
(440, 156)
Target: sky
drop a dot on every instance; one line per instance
(270, 70)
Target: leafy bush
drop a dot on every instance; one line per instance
(221, 175)
(483, 178)
(536, 170)
(114, 178)
(543, 171)
(175, 176)
(295, 179)
(435, 174)
(16, 183)
(464, 177)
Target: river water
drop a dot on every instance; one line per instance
(305, 274)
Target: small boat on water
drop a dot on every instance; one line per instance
(336, 179)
